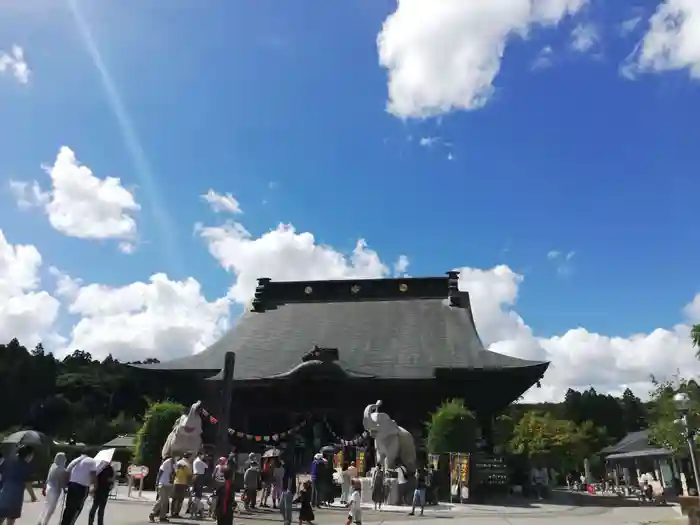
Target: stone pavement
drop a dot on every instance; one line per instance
(132, 511)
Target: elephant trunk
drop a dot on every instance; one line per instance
(367, 421)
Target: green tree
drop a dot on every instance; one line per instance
(558, 442)
(123, 424)
(634, 413)
(452, 428)
(603, 410)
(695, 336)
(666, 430)
(80, 397)
(503, 426)
(157, 424)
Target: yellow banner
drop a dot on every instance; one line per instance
(338, 460)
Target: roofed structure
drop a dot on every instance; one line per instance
(126, 441)
(634, 445)
(632, 442)
(329, 348)
(402, 328)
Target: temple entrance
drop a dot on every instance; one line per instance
(307, 433)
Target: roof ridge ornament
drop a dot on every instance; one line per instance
(259, 296)
(453, 288)
(325, 355)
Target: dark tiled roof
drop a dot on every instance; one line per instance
(648, 452)
(390, 328)
(632, 442)
(126, 441)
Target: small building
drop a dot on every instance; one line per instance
(634, 456)
(320, 351)
(126, 441)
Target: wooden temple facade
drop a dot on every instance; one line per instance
(319, 351)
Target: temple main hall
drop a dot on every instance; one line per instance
(317, 351)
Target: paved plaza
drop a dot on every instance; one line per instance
(132, 511)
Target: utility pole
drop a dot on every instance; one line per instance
(222, 437)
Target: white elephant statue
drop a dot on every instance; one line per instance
(393, 443)
(186, 435)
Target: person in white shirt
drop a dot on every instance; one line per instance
(199, 469)
(164, 483)
(355, 511)
(402, 481)
(82, 474)
(349, 474)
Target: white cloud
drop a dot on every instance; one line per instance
(443, 56)
(282, 254)
(401, 265)
(26, 312)
(164, 318)
(584, 37)
(671, 43)
(14, 63)
(159, 318)
(80, 204)
(428, 142)
(629, 25)
(579, 358)
(28, 195)
(692, 309)
(562, 261)
(544, 58)
(222, 203)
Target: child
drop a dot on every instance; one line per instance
(225, 500)
(306, 513)
(286, 501)
(355, 512)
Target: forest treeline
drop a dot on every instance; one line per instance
(92, 401)
(78, 397)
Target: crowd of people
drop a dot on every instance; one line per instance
(187, 475)
(74, 481)
(179, 479)
(184, 476)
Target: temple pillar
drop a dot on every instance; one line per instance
(222, 438)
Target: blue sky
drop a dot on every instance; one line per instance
(284, 104)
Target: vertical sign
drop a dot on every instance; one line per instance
(338, 460)
(360, 461)
(464, 469)
(434, 460)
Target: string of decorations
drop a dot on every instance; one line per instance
(253, 437)
(346, 442)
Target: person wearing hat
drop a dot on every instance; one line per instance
(318, 475)
(251, 480)
(183, 477)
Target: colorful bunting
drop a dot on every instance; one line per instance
(252, 437)
(346, 442)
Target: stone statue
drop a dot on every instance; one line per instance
(394, 444)
(186, 435)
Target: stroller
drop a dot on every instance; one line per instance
(198, 506)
